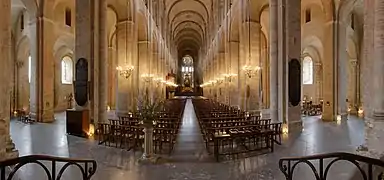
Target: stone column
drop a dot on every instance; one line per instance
(215, 72)
(264, 56)
(7, 148)
(292, 52)
(124, 30)
(319, 82)
(84, 40)
(372, 72)
(342, 71)
(156, 89)
(234, 69)
(221, 70)
(367, 60)
(273, 57)
(378, 109)
(329, 73)
(103, 59)
(42, 65)
(112, 76)
(143, 68)
(353, 86)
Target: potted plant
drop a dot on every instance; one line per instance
(148, 109)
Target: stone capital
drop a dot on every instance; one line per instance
(354, 62)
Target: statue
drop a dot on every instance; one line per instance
(69, 102)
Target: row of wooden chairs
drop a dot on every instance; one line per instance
(229, 132)
(127, 133)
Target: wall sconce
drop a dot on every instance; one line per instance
(108, 108)
(250, 71)
(147, 77)
(91, 130)
(126, 71)
(360, 112)
(228, 77)
(285, 129)
(338, 119)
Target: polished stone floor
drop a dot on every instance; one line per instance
(189, 160)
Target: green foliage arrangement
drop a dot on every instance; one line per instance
(148, 109)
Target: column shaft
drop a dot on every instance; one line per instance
(103, 60)
(378, 112)
(42, 65)
(273, 56)
(329, 73)
(235, 68)
(7, 150)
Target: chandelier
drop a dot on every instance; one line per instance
(251, 71)
(126, 71)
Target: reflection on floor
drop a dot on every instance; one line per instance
(189, 154)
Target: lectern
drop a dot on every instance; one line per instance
(78, 122)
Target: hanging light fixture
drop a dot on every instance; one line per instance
(126, 70)
(148, 77)
(249, 70)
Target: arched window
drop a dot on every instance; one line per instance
(308, 15)
(29, 68)
(66, 70)
(68, 17)
(307, 70)
(22, 21)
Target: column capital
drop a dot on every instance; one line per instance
(126, 21)
(354, 62)
(252, 22)
(42, 18)
(144, 42)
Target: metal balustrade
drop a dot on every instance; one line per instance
(369, 168)
(86, 167)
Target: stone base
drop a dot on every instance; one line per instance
(374, 135)
(46, 118)
(296, 126)
(12, 154)
(149, 159)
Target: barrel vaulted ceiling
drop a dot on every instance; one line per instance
(188, 20)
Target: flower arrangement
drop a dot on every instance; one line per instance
(148, 109)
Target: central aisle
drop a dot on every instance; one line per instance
(189, 144)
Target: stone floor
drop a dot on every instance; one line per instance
(189, 160)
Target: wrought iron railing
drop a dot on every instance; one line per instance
(369, 168)
(9, 167)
